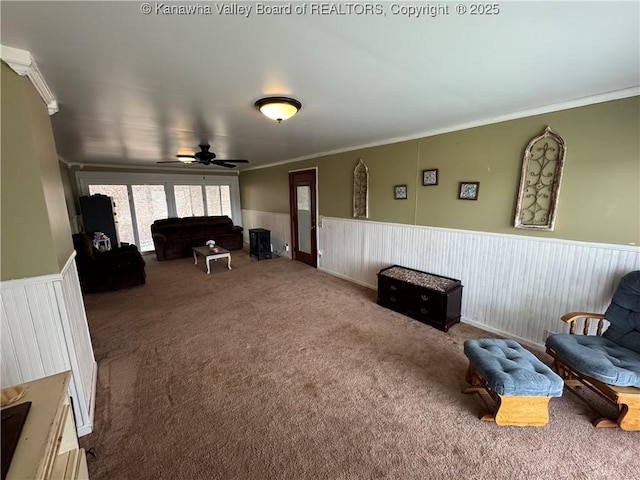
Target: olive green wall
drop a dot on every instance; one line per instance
(599, 196)
(35, 235)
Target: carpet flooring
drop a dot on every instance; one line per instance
(275, 370)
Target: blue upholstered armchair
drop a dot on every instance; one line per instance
(608, 362)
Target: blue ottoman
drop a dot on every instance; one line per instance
(520, 384)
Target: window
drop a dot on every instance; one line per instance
(120, 196)
(218, 200)
(189, 201)
(225, 200)
(150, 203)
(142, 198)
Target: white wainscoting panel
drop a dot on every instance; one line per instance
(278, 223)
(74, 321)
(515, 285)
(32, 337)
(44, 332)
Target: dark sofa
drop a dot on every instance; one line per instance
(175, 237)
(107, 271)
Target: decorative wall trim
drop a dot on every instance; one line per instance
(22, 62)
(278, 223)
(44, 332)
(78, 341)
(21, 282)
(154, 168)
(556, 107)
(515, 285)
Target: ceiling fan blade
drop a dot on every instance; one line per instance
(223, 163)
(207, 157)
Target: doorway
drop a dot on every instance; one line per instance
(302, 196)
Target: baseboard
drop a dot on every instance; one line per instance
(88, 428)
(344, 277)
(523, 341)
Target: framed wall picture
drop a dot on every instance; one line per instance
(400, 192)
(469, 190)
(361, 190)
(430, 177)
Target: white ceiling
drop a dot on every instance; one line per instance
(134, 88)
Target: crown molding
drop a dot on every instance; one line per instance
(22, 62)
(64, 161)
(576, 103)
(117, 166)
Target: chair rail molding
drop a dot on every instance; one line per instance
(22, 62)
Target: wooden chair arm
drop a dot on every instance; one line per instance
(572, 318)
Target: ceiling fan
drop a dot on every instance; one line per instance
(204, 157)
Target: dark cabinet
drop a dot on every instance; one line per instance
(260, 243)
(431, 299)
(98, 215)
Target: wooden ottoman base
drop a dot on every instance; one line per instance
(519, 411)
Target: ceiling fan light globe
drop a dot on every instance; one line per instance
(184, 159)
(279, 111)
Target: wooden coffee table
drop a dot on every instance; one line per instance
(209, 255)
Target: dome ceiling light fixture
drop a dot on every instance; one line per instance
(278, 108)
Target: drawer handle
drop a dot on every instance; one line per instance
(392, 299)
(424, 311)
(393, 288)
(424, 297)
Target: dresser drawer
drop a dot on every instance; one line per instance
(393, 292)
(425, 303)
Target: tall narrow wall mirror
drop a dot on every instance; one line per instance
(361, 190)
(540, 182)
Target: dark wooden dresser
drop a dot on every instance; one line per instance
(429, 298)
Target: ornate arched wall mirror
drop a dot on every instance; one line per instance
(540, 182)
(361, 190)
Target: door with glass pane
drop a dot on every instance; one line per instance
(302, 195)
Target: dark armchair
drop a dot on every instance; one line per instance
(106, 271)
